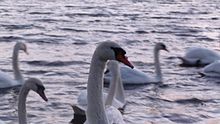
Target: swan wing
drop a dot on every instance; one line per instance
(82, 100)
(212, 70)
(114, 116)
(204, 55)
(6, 81)
(130, 76)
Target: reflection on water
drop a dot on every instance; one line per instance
(62, 35)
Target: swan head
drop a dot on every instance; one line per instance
(37, 86)
(21, 46)
(161, 46)
(112, 51)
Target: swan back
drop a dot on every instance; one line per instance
(197, 56)
(213, 69)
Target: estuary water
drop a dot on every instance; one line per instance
(61, 36)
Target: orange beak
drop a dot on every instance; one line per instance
(124, 59)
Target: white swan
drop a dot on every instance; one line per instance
(5, 80)
(135, 76)
(196, 56)
(31, 84)
(115, 96)
(212, 70)
(1, 122)
(97, 112)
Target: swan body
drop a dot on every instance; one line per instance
(1, 122)
(5, 80)
(197, 56)
(115, 96)
(31, 84)
(96, 109)
(134, 76)
(212, 70)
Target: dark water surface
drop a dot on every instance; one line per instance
(62, 34)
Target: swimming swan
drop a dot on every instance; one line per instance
(31, 84)
(135, 76)
(97, 112)
(196, 56)
(5, 80)
(212, 70)
(115, 96)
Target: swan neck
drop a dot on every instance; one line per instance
(120, 95)
(157, 65)
(17, 73)
(22, 105)
(112, 89)
(95, 109)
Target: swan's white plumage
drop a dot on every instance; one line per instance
(134, 76)
(212, 70)
(96, 110)
(196, 56)
(1, 122)
(7, 81)
(131, 76)
(82, 100)
(116, 99)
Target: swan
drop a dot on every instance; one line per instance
(115, 96)
(97, 112)
(5, 80)
(197, 56)
(1, 122)
(135, 76)
(212, 70)
(31, 84)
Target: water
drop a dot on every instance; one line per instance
(62, 35)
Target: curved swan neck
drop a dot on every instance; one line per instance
(22, 105)
(17, 73)
(157, 64)
(120, 95)
(112, 89)
(95, 108)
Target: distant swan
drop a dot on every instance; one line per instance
(1, 122)
(115, 96)
(5, 80)
(97, 112)
(31, 84)
(212, 70)
(135, 76)
(196, 56)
